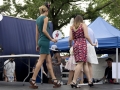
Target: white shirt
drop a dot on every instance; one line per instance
(91, 35)
(9, 68)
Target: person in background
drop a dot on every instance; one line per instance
(108, 72)
(56, 62)
(70, 65)
(91, 54)
(9, 70)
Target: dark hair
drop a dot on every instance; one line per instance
(109, 59)
(47, 4)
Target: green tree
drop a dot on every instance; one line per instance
(60, 12)
(113, 13)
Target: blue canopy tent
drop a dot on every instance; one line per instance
(107, 35)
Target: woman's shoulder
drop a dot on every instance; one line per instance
(83, 24)
(71, 27)
(40, 17)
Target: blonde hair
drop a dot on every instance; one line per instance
(43, 9)
(78, 19)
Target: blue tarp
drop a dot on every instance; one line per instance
(107, 35)
(18, 36)
(62, 44)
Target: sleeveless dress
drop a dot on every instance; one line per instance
(80, 45)
(43, 42)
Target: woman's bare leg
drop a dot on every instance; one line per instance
(81, 77)
(78, 69)
(90, 70)
(38, 65)
(70, 77)
(50, 69)
(49, 66)
(86, 70)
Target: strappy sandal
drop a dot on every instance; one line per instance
(57, 84)
(33, 84)
(73, 85)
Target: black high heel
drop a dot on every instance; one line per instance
(91, 84)
(73, 85)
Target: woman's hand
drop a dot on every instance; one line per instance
(54, 40)
(94, 44)
(37, 48)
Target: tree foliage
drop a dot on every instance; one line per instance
(61, 11)
(113, 13)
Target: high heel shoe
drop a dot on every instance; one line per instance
(57, 84)
(91, 84)
(33, 84)
(73, 85)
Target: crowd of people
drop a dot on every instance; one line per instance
(82, 53)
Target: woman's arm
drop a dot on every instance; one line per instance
(45, 28)
(37, 34)
(70, 37)
(85, 29)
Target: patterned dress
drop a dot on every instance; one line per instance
(80, 45)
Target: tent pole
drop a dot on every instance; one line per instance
(117, 64)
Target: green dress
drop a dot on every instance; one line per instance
(43, 42)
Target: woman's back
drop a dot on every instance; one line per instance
(78, 33)
(80, 46)
(40, 23)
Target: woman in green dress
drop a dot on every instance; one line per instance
(42, 45)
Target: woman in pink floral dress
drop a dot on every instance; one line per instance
(79, 33)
